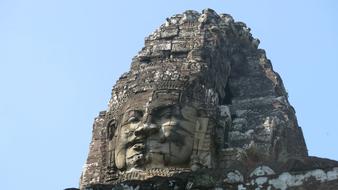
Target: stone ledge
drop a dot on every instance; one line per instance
(262, 178)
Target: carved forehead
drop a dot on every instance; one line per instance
(138, 101)
(165, 98)
(151, 99)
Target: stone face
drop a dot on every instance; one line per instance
(201, 108)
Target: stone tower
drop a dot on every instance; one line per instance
(201, 108)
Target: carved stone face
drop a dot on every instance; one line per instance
(155, 132)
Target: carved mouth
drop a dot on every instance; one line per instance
(136, 156)
(135, 143)
(138, 147)
(135, 153)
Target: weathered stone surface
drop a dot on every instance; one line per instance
(309, 180)
(201, 108)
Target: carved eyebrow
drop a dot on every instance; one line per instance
(179, 127)
(133, 112)
(158, 108)
(163, 109)
(133, 109)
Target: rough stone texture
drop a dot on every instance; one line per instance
(201, 108)
(308, 180)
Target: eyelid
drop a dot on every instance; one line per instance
(132, 119)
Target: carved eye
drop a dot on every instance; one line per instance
(134, 116)
(166, 114)
(133, 119)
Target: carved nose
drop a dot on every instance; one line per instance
(146, 129)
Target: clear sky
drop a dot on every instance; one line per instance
(60, 58)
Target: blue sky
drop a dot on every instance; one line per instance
(60, 58)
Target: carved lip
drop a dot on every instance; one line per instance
(138, 147)
(135, 141)
(138, 154)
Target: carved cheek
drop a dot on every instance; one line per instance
(182, 151)
(120, 151)
(120, 159)
(189, 114)
(126, 135)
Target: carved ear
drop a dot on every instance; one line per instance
(219, 139)
(111, 126)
